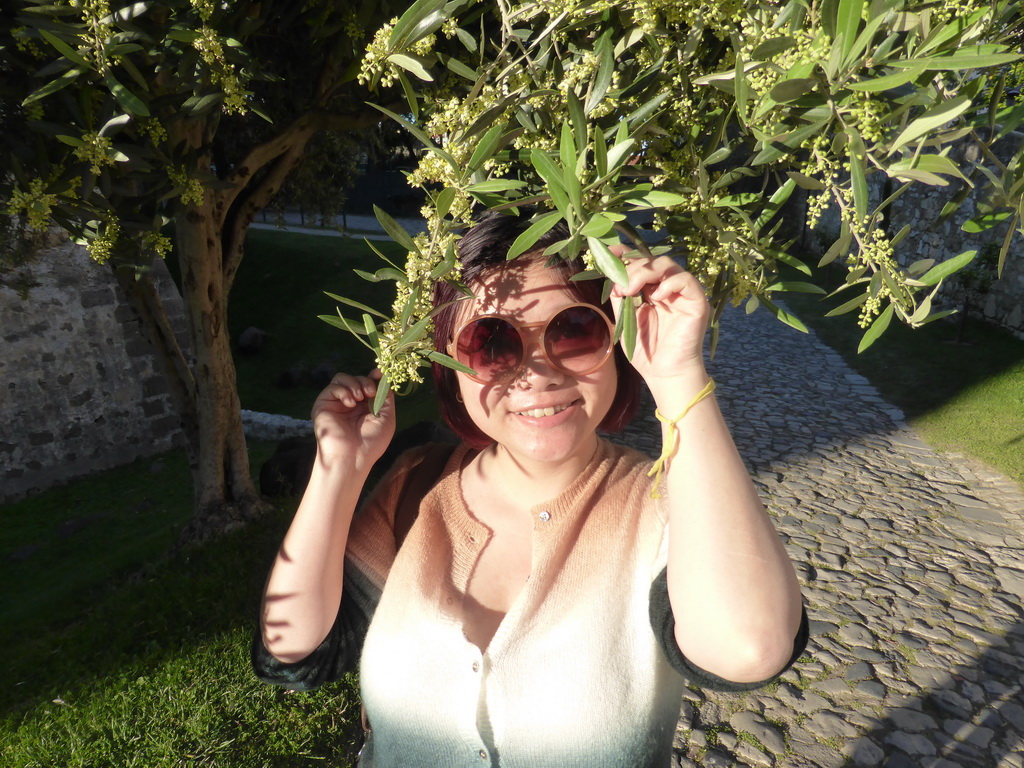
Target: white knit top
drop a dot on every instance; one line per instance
(574, 675)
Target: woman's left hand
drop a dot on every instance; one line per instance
(671, 320)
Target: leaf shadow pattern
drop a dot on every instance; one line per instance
(910, 566)
(972, 716)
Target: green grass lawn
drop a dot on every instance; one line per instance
(120, 654)
(966, 396)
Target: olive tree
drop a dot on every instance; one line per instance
(142, 126)
(709, 116)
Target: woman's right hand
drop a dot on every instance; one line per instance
(344, 424)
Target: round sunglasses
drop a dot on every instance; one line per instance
(576, 340)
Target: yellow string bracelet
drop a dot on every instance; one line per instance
(671, 438)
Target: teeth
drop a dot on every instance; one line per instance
(536, 413)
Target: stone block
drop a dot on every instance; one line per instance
(154, 408)
(40, 438)
(97, 297)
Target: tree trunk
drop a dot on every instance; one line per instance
(225, 495)
(144, 299)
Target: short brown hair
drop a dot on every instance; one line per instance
(483, 249)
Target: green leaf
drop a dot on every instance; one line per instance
(605, 71)
(720, 154)
(920, 267)
(371, 330)
(625, 326)
(356, 304)
(485, 148)
(932, 119)
(496, 185)
(443, 202)
(791, 90)
(858, 176)
(415, 332)
(394, 230)
(838, 248)
(129, 102)
(847, 23)
(577, 119)
(986, 222)
(737, 200)
(655, 198)
(448, 362)
(772, 48)
(865, 38)
(904, 231)
(467, 40)
(877, 328)
(925, 164)
(65, 50)
(390, 273)
(418, 21)
(416, 65)
(533, 233)
(53, 86)
(619, 153)
(383, 388)
(795, 287)
(642, 113)
(552, 176)
(587, 274)
(805, 182)
(788, 142)
(117, 121)
(183, 35)
(792, 261)
(567, 152)
(848, 306)
(886, 82)
(71, 141)
(609, 264)
(957, 61)
(600, 156)
(337, 322)
(598, 226)
(775, 202)
(946, 268)
(198, 105)
(782, 315)
(461, 69)
(411, 97)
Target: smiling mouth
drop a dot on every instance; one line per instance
(536, 413)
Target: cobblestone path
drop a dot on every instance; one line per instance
(912, 567)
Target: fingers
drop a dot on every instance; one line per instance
(349, 390)
(659, 279)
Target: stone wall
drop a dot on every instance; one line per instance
(919, 206)
(80, 389)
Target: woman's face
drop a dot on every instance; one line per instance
(517, 412)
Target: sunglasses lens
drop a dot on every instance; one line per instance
(577, 339)
(490, 346)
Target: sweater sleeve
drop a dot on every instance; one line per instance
(664, 625)
(369, 553)
(336, 655)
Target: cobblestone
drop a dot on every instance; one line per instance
(912, 564)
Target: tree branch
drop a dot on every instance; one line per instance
(252, 200)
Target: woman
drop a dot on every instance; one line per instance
(527, 618)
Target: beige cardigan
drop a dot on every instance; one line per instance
(574, 675)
